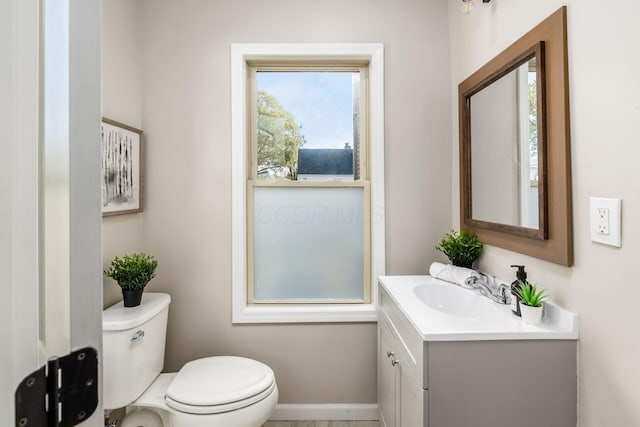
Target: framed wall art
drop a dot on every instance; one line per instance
(122, 169)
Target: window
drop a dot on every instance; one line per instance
(308, 224)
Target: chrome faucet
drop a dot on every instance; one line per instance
(504, 293)
(484, 284)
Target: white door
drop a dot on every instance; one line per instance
(50, 263)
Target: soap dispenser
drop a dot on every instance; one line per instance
(521, 276)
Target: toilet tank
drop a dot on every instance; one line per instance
(133, 340)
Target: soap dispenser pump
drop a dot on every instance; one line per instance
(521, 277)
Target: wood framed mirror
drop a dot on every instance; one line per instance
(515, 163)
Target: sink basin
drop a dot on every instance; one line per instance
(454, 300)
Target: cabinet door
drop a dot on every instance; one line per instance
(411, 397)
(386, 379)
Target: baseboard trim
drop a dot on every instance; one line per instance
(325, 412)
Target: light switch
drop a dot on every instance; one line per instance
(606, 217)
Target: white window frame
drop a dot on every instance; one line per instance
(242, 55)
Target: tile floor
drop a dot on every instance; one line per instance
(322, 424)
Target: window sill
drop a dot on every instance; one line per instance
(319, 313)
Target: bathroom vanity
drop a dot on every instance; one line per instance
(448, 356)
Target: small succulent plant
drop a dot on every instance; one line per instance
(530, 295)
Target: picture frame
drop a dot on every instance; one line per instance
(122, 168)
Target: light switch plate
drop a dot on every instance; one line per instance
(606, 218)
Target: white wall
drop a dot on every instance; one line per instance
(121, 101)
(604, 58)
(187, 219)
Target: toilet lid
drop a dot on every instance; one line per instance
(206, 385)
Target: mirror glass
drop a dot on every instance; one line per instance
(504, 149)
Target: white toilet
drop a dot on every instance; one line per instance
(223, 391)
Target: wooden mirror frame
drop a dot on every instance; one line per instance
(553, 241)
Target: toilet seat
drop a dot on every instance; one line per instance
(219, 384)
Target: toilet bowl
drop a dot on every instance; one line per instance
(211, 392)
(221, 391)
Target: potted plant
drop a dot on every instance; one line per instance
(132, 272)
(461, 249)
(531, 300)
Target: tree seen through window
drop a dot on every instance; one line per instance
(279, 138)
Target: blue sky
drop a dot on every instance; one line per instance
(320, 101)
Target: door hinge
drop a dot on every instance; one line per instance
(62, 393)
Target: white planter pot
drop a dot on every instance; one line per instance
(531, 315)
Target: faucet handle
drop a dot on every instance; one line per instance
(504, 290)
(470, 281)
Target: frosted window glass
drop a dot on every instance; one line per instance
(308, 243)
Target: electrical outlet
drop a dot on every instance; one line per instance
(606, 219)
(603, 221)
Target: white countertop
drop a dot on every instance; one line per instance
(487, 320)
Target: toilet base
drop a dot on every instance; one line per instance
(139, 417)
(152, 400)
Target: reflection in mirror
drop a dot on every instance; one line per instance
(504, 149)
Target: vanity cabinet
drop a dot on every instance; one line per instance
(471, 383)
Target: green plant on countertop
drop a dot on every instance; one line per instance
(461, 249)
(530, 295)
(132, 271)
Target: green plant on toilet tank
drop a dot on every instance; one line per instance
(461, 249)
(132, 272)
